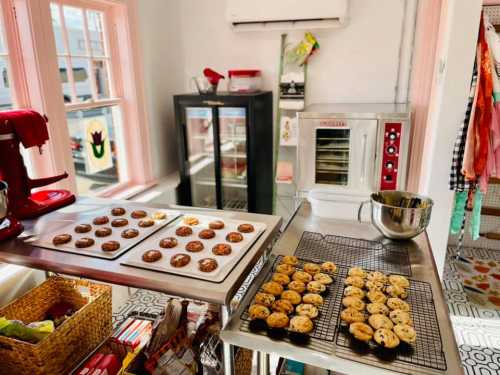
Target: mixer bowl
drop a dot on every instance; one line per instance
(399, 214)
(3, 201)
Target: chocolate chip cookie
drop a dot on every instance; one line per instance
(84, 242)
(169, 242)
(234, 237)
(130, 233)
(121, 222)
(206, 234)
(216, 224)
(61, 239)
(194, 246)
(151, 256)
(184, 231)
(103, 232)
(222, 249)
(179, 260)
(245, 228)
(83, 228)
(110, 246)
(207, 264)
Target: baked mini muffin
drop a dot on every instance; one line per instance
(194, 246)
(273, 288)
(146, 222)
(377, 308)
(354, 291)
(374, 285)
(168, 242)
(290, 259)
(376, 296)
(292, 296)
(315, 287)
(258, 312)
(180, 260)
(351, 315)
(183, 231)
(357, 271)
(302, 276)
(400, 317)
(62, 239)
(378, 321)
(191, 220)
(313, 299)
(376, 276)
(323, 278)
(405, 333)
(397, 291)
(118, 211)
(222, 249)
(399, 280)
(361, 331)
(282, 305)
(245, 228)
(265, 299)
(277, 320)
(287, 269)
(297, 286)
(306, 309)
(159, 215)
(280, 278)
(84, 242)
(234, 237)
(207, 264)
(138, 214)
(216, 225)
(354, 281)
(395, 303)
(121, 222)
(386, 338)
(83, 228)
(206, 234)
(100, 220)
(110, 246)
(329, 267)
(151, 256)
(353, 302)
(301, 324)
(103, 232)
(312, 268)
(130, 233)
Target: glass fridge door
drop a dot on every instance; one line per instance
(200, 156)
(233, 157)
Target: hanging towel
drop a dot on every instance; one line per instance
(476, 215)
(458, 214)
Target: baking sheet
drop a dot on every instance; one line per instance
(45, 239)
(226, 263)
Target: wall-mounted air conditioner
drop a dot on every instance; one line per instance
(247, 15)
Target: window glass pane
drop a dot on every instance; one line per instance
(56, 25)
(96, 32)
(73, 18)
(6, 101)
(63, 74)
(94, 143)
(81, 77)
(101, 79)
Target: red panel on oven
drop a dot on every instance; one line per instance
(390, 156)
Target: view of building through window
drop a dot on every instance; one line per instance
(6, 97)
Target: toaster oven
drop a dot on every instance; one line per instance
(353, 149)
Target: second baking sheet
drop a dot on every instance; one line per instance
(225, 263)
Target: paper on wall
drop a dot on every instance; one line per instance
(97, 145)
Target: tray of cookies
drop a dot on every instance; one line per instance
(107, 233)
(389, 321)
(201, 247)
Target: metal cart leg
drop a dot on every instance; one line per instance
(262, 363)
(227, 349)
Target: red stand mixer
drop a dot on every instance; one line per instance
(29, 128)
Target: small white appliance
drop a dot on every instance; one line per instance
(347, 151)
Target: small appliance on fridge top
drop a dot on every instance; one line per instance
(347, 151)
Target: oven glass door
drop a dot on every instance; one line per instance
(332, 156)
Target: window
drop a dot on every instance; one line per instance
(6, 97)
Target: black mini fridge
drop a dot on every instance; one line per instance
(226, 151)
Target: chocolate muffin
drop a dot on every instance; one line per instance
(84, 242)
(101, 220)
(234, 237)
(169, 242)
(151, 256)
(207, 264)
(61, 239)
(245, 228)
(118, 211)
(179, 260)
(110, 246)
(130, 233)
(206, 234)
(138, 214)
(83, 228)
(147, 222)
(184, 231)
(119, 222)
(194, 246)
(103, 232)
(216, 224)
(222, 249)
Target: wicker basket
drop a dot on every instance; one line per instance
(62, 350)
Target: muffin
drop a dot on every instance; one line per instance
(291, 296)
(376, 296)
(258, 312)
(313, 299)
(405, 333)
(151, 256)
(206, 234)
(287, 269)
(273, 288)
(302, 276)
(377, 308)
(184, 231)
(361, 331)
(277, 320)
(168, 242)
(357, 271)
(216, 225)
(354, 281)
(306, 309)
(323, 278)
(397, 304)
(329, 267)
(315, 287)
(297, 286)
(282, 305)
(83, 228)
(386, 338)
(353, 302)
(138, 214)
(399, 280)
(265, 299)
(400, 317)
(290, 259)
(280, 278)
(301, 324)
(61, 239)
(378, 321)
(84, 242)
(351, 315)
(354, 291)
(312, 268)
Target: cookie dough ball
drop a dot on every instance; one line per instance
(354, 281)
(361, 331)
(282, 305)
(290, 259)
(306, 309)
(280, 278)
(118, 211)
(400, 317)
(258, 312)
(180, 260)
(329, 267)
(168, 242)
(121, 222)
(273, 288)
(297, 286)
(397, 304)
(245, 228)
(315, 287)
(397, 291)
(103, 232)
(377, 276)
(301, 324)
(312, 268)
(277, 320)
(234, 237)
(405, 333)
(206, 234)
(353, 302)
(146, 222)
(357, 271)
(377, 308)
(323, 278)
(351, 315)
(378, 321)
(399, 280)
(222, 249)
(287, 269)
(110, 246)
(386, 338)
(130, 233)
(291, 296)
(376, 296)
(313, 299)
(194, 246)
(100, 220)
(374, 285)
(354, 291)
(265, 299)
(302, 276)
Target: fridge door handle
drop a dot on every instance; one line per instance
(363, 158)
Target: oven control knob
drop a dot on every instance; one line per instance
(389, 165)
(391, 150)
(393, 136)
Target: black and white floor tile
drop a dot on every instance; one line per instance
(478, 360)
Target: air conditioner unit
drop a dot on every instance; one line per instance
(248, 15)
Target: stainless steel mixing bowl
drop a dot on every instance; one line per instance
(3, 201)
(398, 214)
